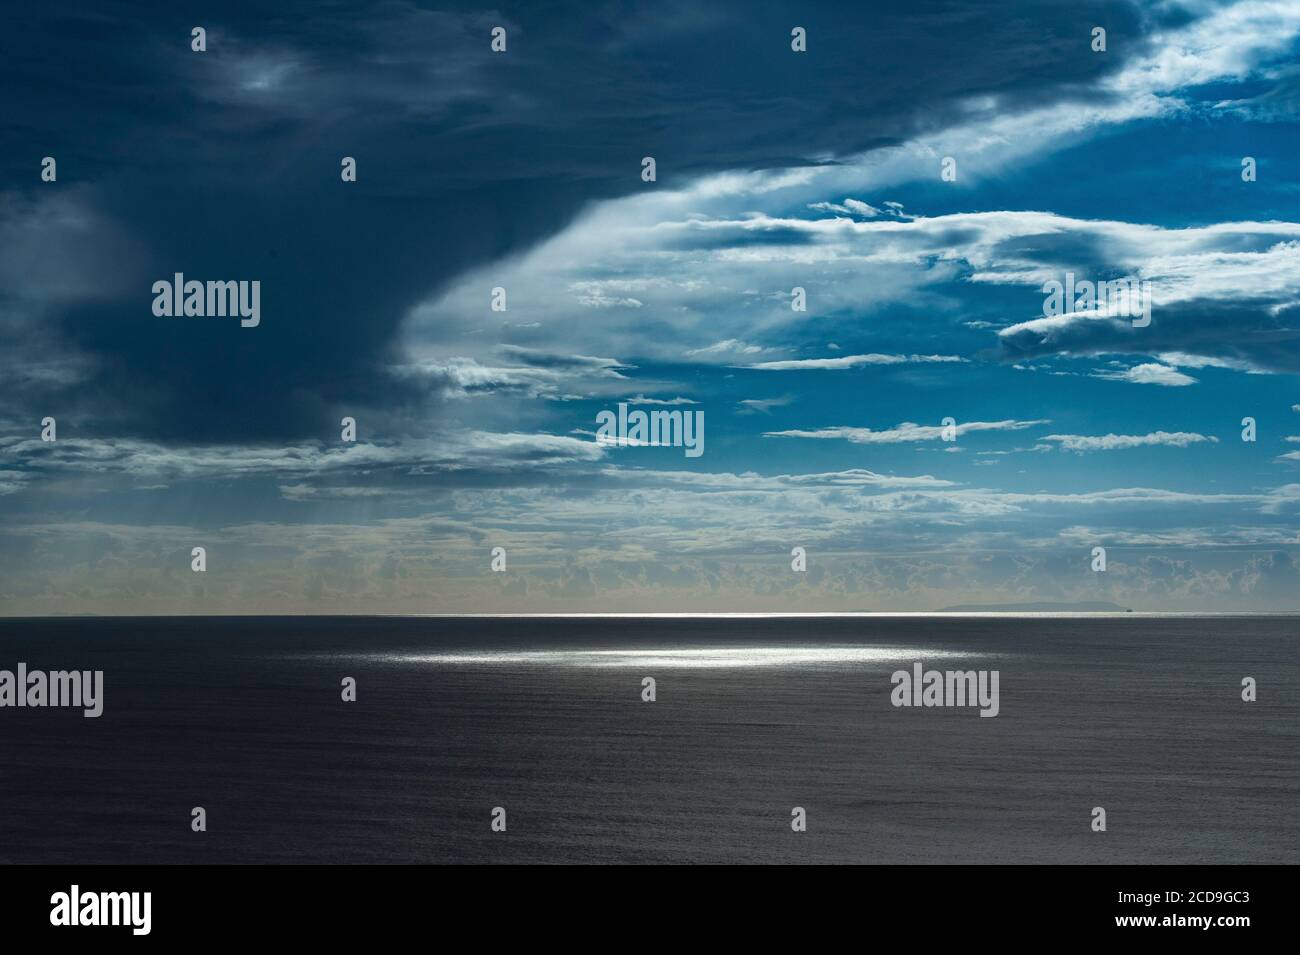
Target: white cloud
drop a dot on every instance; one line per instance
(856, 207)
(542, 376)
(643, 400)
(1114, 442)
(750, 482)
(907, 431)
(1149, 374)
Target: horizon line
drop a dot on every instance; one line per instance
(689, 615)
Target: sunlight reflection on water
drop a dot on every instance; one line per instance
(684, 657)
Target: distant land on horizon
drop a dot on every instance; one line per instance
(1047, 606)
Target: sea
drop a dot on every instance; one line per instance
(534, 740)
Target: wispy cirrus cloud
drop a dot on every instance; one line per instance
(764, 405)
(851, 361)
(905, 432)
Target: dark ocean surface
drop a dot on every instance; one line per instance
(242, 716)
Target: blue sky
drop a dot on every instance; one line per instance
(521, 170)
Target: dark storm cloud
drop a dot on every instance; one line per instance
(225, 165)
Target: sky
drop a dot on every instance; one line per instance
(927, 429)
